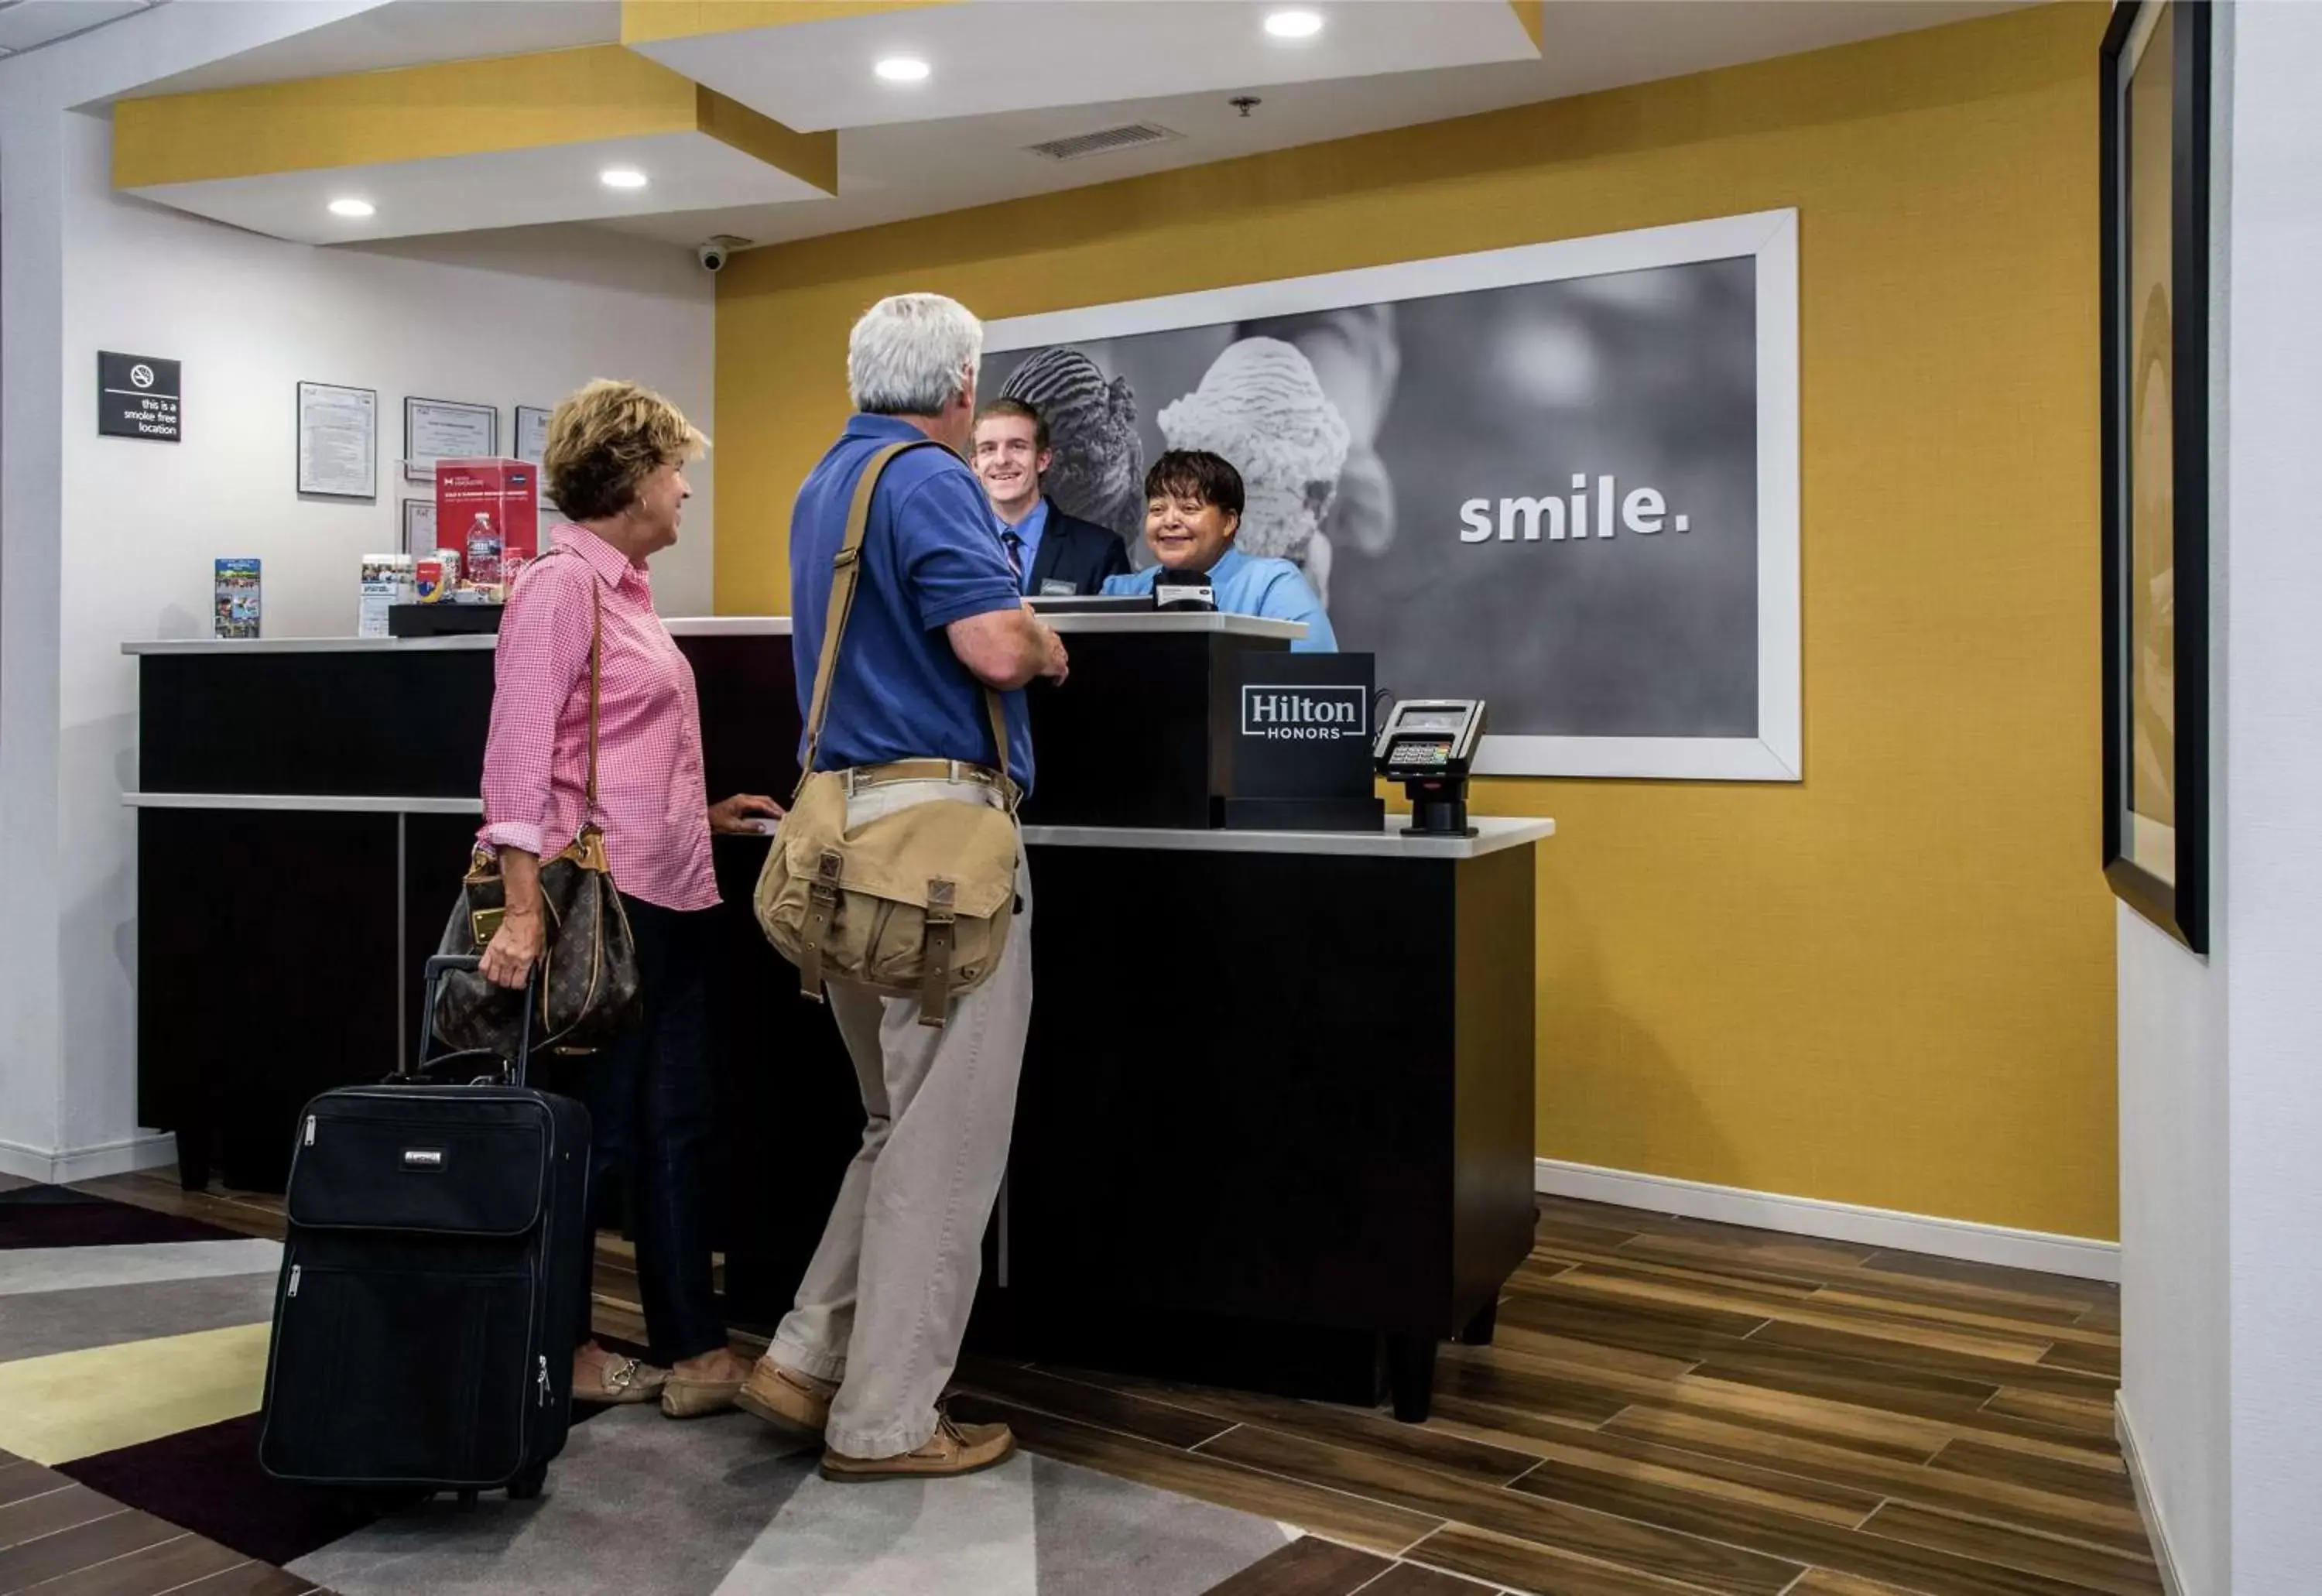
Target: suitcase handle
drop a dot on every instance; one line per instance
(438, 966)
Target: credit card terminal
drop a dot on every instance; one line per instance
(1429, 745)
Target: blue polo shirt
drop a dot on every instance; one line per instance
(1027, 533)
(930, 558)
(1249, 586)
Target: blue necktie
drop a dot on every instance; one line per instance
(1014, 544)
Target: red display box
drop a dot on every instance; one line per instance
(490, 511)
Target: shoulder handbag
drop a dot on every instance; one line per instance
(916, 903)
(588, 991)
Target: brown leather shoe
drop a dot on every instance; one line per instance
(686, 1396)
(786, 1399)
(955, 1449)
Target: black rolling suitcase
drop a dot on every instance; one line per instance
(424, 1325)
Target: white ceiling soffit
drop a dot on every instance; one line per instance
(993, 56)
(891, 172)
(499, 188)
(28, 24)
(408, 33)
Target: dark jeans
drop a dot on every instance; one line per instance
(649, 1102)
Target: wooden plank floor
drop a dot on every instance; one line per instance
(1670, 1408)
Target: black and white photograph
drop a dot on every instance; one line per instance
(1568, 469)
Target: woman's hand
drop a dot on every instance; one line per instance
(515, 949)
(732, 815)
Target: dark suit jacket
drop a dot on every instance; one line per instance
(1079, 552)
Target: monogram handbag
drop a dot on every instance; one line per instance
(913, 904)
(588, 991)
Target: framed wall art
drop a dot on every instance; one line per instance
(2154, 141)
(1564, 475)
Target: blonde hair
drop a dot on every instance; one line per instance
(606, 440)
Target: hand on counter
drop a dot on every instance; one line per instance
(738, 815)
(1055, 664)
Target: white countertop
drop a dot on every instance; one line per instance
(678, 626)
(709, 626)
(1493, 832)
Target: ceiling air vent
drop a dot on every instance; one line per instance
(1104, 140)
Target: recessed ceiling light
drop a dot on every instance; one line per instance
(902, 69)
(621, 177)
(354, 209)
(1294, 24)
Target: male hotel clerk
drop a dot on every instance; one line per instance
(1193, 508)
(1051, 551)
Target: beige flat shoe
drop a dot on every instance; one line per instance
(786, 1399)
(955, 1449)
(687, 1396)
(621, 1380)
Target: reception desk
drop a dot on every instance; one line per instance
(1275, 1121)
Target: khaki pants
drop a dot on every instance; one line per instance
(885, 1301)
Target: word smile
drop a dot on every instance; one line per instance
(1529, 520)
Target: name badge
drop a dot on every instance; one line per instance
(1052, 586)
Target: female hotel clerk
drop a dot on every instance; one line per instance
(1193, 510)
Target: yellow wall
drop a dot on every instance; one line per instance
(1892, 983)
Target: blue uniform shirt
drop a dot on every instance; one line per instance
(930, 558)
(1028, 531)
(1246, 586)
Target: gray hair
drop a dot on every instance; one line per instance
(912, 354)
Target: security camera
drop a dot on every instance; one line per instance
(711, 253)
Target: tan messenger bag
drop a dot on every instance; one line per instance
(915, 903)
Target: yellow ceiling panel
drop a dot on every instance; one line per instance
(451, 108)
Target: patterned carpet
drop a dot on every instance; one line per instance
(135, 1347)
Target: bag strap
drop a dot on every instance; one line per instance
(596, 678)
(596, 684)
(846, 574)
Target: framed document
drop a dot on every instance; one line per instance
(446, 429)
(2153, 136)
(419, 528)
(338, 440)
(530, 432)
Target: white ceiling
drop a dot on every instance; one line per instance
(891, 168)
(406, 33)
(28, 24)
(997, 56)
(893, 171)
(556, 183)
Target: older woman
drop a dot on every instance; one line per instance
(615, 466)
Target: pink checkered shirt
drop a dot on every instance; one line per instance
(652, 802)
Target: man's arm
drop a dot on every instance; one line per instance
(962, 582)
(1006, 648)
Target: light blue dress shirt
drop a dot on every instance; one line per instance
(1028, 532)
(1245, 585)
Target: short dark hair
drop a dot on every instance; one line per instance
(1019, 408)
(1196, 473)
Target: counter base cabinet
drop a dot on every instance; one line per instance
(266, 959)
(1272, 1090)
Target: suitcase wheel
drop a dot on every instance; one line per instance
(525, 1486)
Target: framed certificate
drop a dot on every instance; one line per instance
(338, 440)
(530, 432)
(419, 527)
(446, 429)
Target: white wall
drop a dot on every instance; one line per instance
(111, 539)
(2221, 1062)
(2274, 802)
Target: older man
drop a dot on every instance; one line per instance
(937, 618)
